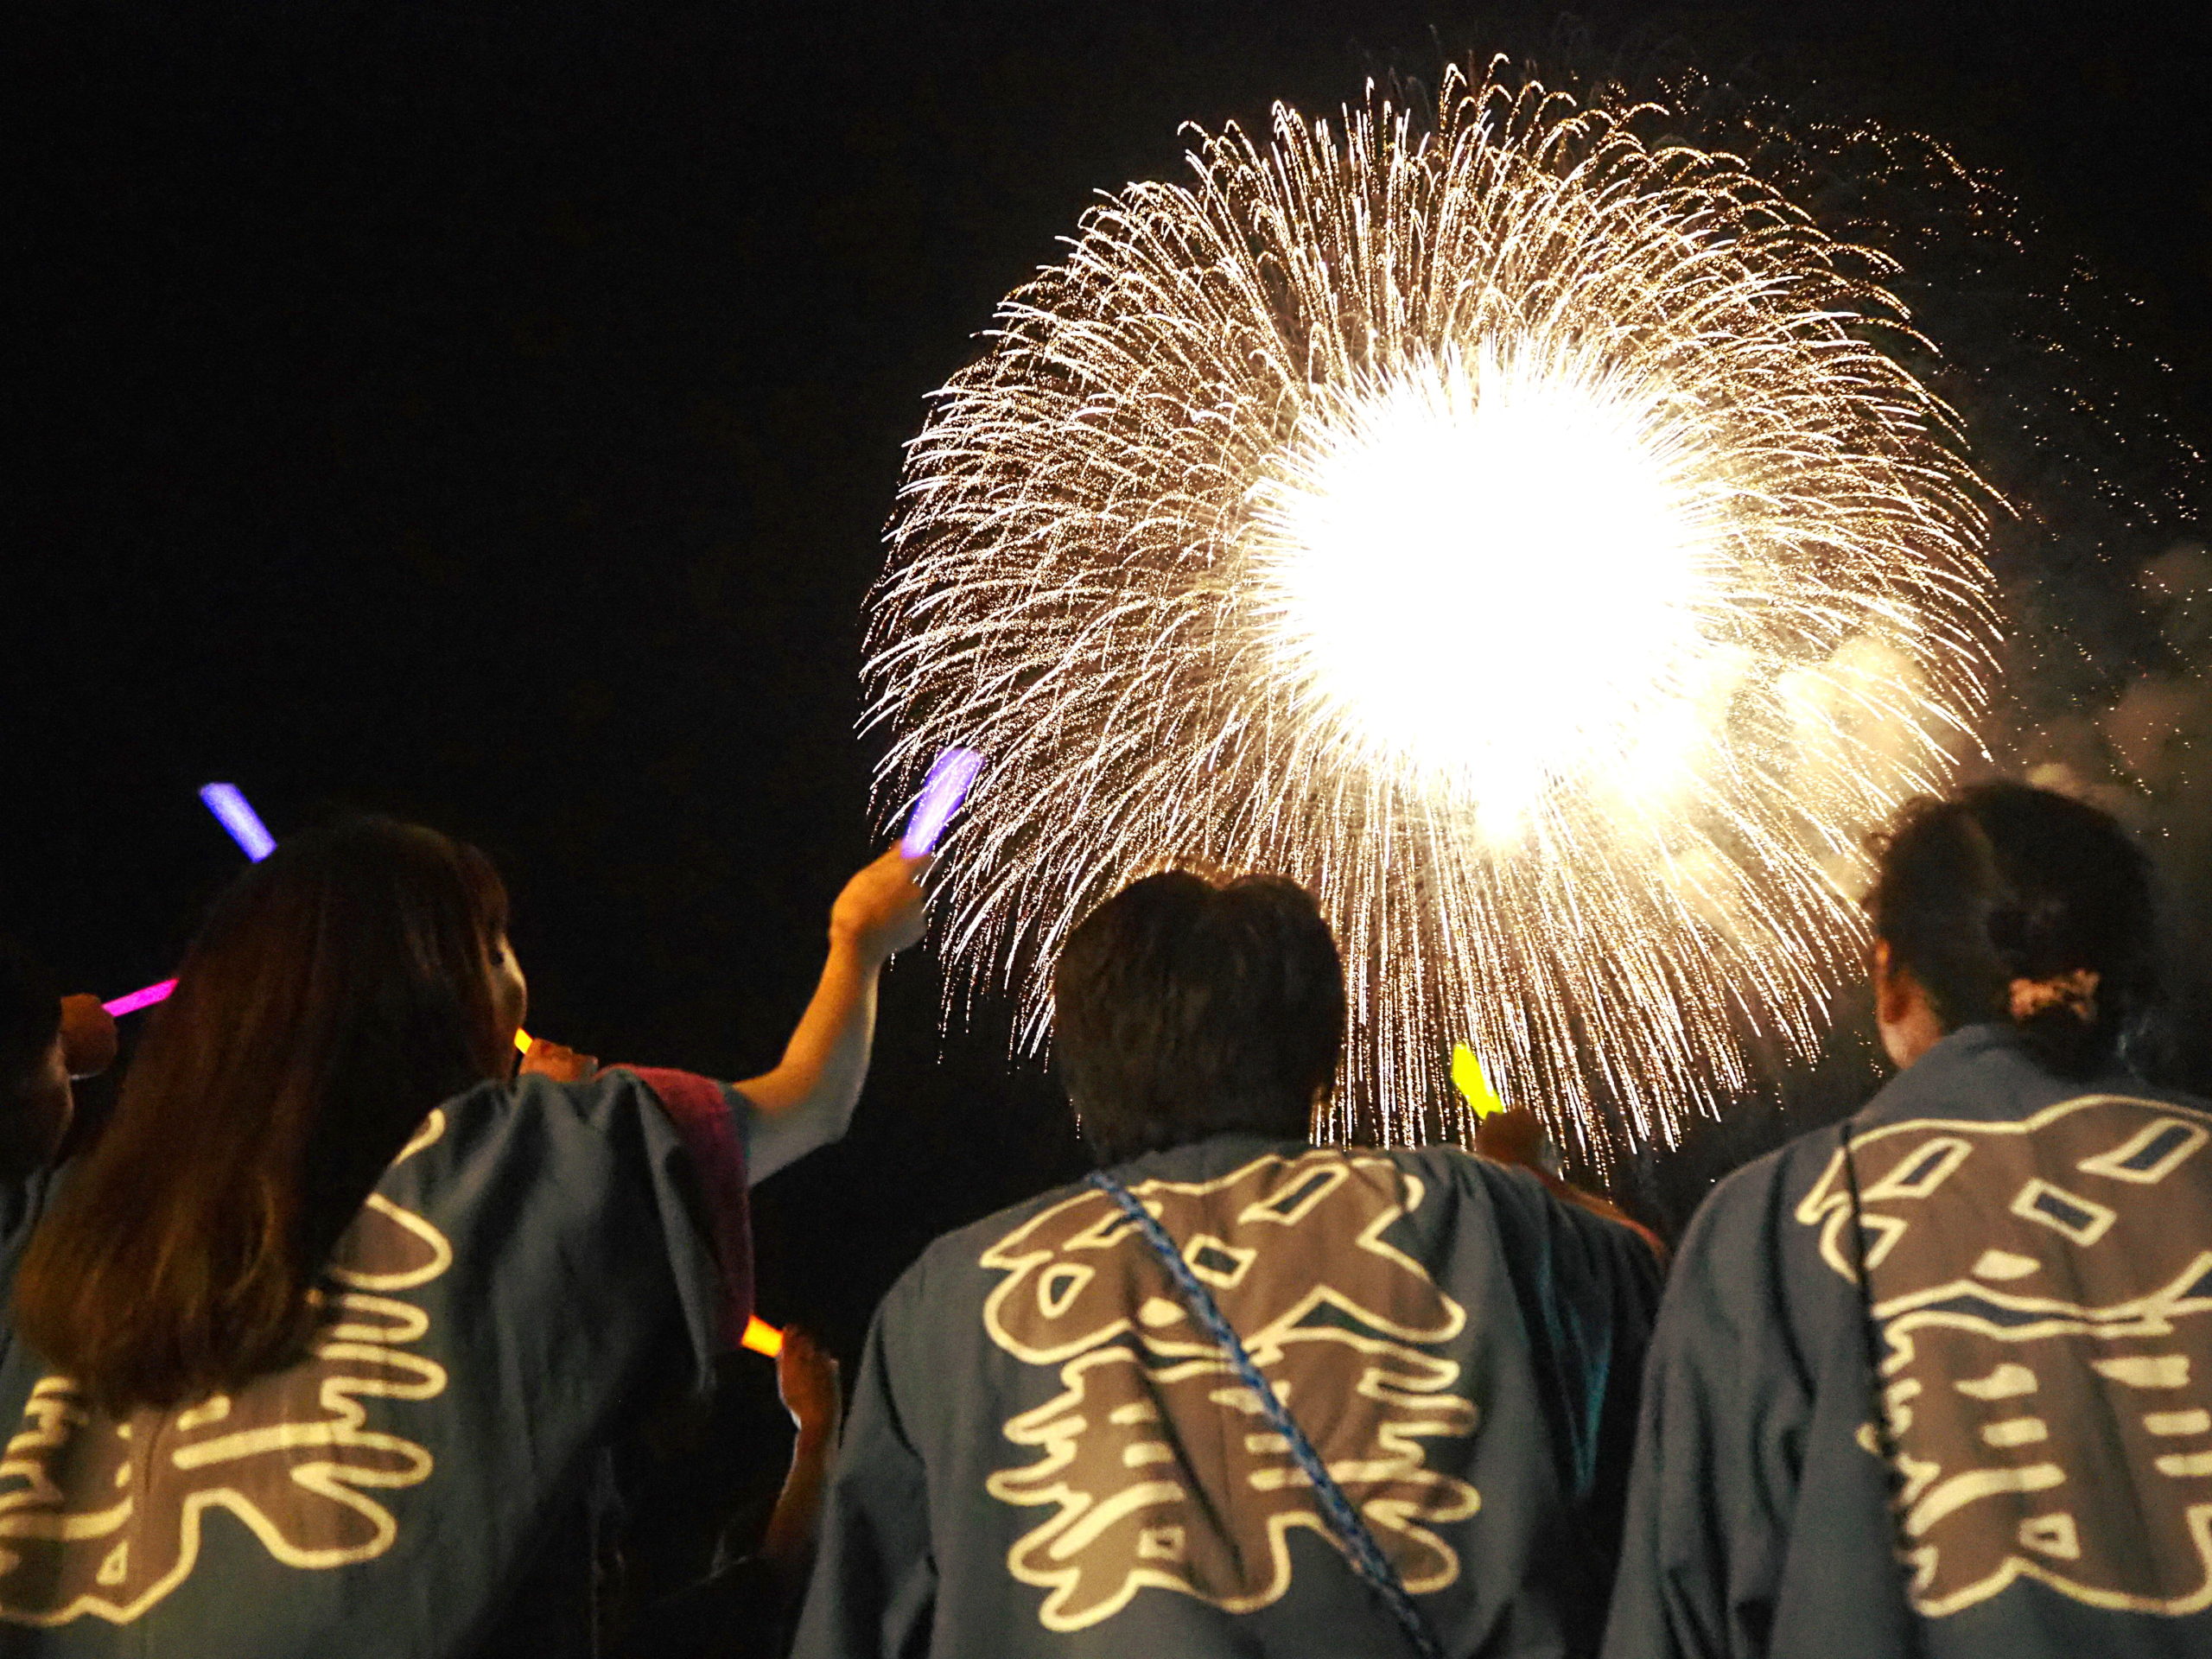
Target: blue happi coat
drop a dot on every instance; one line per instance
(1047, 1459)
(2037, 1304)
(516, 1293)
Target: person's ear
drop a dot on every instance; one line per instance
(1902, 1013)
(1893, 987)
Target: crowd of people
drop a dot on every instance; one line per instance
(341, 1334)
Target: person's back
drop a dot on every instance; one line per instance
(2033, 1227)
(482, 1325)
(1047, 1454)
(325, 1345)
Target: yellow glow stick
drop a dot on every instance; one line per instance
(1467, 1077)
(522, 1040)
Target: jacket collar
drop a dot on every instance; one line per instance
(1982, 1071)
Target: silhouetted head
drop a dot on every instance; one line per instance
(339, 990)
(1185, 1007)
(2023, 907)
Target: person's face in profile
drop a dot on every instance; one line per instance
(510, 990)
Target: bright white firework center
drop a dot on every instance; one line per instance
(1496, 575)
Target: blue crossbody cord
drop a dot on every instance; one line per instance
(1346, 1522)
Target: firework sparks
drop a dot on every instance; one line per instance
(1512, 529)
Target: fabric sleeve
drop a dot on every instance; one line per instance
(1587, 1288)
(1608, 1322)
(1719, 1445)
(669, 1139)
(873, 1591)
(708, 1118)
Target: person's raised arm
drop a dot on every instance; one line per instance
(807, 1100)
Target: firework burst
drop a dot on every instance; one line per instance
(1519, 530)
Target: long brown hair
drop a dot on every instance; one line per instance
(338, 991)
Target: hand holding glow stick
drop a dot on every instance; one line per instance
(1467, 1077)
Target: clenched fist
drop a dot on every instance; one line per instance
(560, 1063)
(879, 912)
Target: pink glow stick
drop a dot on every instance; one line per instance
(139, 1000)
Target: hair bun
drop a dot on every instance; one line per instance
(2074, 993)
(2016, 905)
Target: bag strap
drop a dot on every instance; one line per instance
(1346, 1522)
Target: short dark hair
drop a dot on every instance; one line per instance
(1185, 1007)
(2001, 881)
(339, 991)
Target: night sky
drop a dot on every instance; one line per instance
(490, 415)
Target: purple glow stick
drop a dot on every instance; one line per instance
(242, 820)
(950, 778)
(139, 1000)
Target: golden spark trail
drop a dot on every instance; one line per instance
(1514, 530)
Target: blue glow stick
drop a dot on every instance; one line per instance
(950, 778)
(242, 820)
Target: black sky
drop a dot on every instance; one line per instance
(490, 413)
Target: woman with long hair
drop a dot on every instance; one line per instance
(1938, 1381)
(320, 1348)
